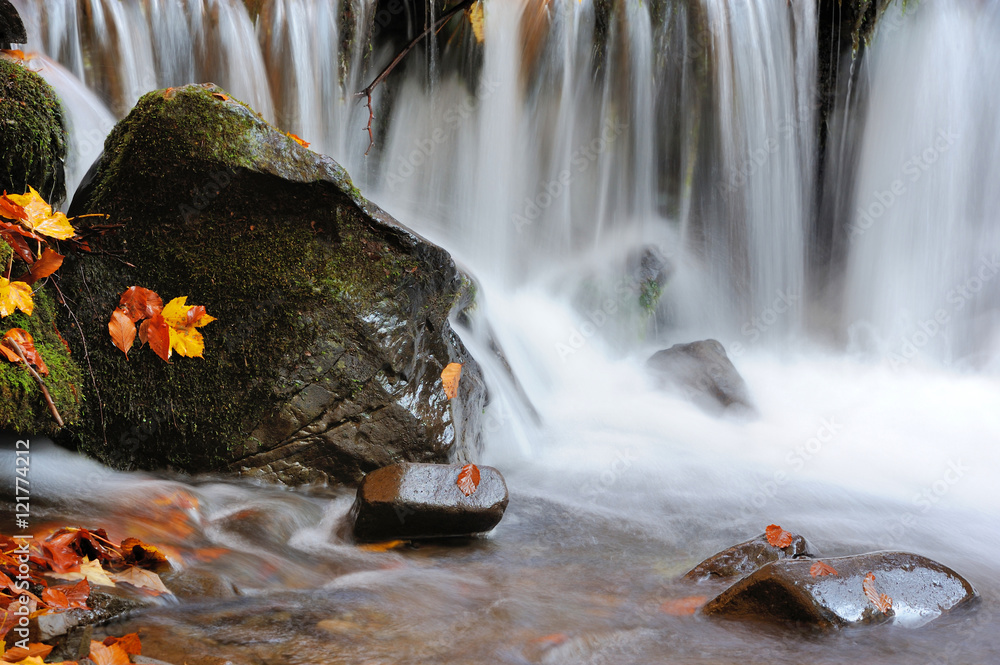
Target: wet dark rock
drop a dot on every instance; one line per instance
(11, 27)
(69, 632)
(413, 501)
(747, 557)
(785, 591)
(703, 373)
(332, 319)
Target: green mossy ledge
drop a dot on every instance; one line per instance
(332, 326)
(22, 406)
(32, 134)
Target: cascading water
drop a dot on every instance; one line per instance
(618, 181)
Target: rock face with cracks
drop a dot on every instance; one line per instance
(332, 319)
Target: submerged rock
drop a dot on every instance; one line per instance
(904, 588)
(332, 319)
(412, 501)
(747, 557)
(703, 373)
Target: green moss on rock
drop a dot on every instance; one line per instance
(32, 134)
(332, 319)
(22, 406)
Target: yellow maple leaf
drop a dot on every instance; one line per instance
(40, 218)
(90, 571)
(184, 320)
(14, 296)
(476, 19)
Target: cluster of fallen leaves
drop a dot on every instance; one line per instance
(61, 570)
(165, 329)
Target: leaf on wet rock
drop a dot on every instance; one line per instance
(778, 537)
(122, 330)
(184, 320)
(90, 571)
(468, 479)
(49, 262)
(683, 606)
(24, 340)
(449, 379)
(107, 655)
(39, 217)
(15, 296)
(137, 553)
(475, 14)
(130, 643)
(141, 579)
(139, 303)
(881, 601)
(33, 650)
(304, 144)
(819, 569)
(383, 546)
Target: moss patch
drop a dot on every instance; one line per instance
(32, 134)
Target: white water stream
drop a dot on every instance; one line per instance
(880, 427)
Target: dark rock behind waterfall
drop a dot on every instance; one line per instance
(702, 372)
(332, 318)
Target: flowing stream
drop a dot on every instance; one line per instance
(616, 184)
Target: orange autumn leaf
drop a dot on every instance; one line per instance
(295, 138)
(138, 553)
(11, 210)
(468, 479)
(383, 546)
(23, 339)
(820, 569)
(449, 379)
(155, 332)
(220, 96)
(49, 262)
(104, 655)
(138, 303)
(40, 218)
(13, 53)
(122, 331)
(130, 643)
(15, 296)
(778, 537)
(683, 606)
(881, 601)
(33, 650)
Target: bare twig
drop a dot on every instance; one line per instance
(367, 92)
(41, 384)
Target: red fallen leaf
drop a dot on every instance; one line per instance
(10, 209)
(23, 339)
(468, 479)
(155, 332)
(17, 243)
(820, 569)
(138, 303)
(34, 649)
(130, 643)
(122, 331)
(683, 606)
(881, 601)
(53, 597)
(77, 594)
(59, 552)
(112, 655)
(777, 536)
(49, 262)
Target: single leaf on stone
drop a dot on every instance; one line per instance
(15, 296)
(23, 339)
(475, 14)
(220, 96)
(141, 579)
(104, 655)
(881, 601)
(449, 379)
(40, 218)
(383, 546)
(468, 479)
(819, 569)
(683, 606)
(155, 332)
(130, 643)
(138, 303)
(122, 330)
(295, 138)
(49, 262)
(777, 537)
(184, 320)
(138, 553)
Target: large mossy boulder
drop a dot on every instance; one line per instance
(22, 407)
(332, 319)
(32, 134)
